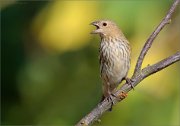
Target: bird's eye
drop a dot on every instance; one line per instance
(104, 24)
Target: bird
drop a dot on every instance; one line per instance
(114, 56)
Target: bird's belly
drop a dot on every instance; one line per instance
(114, 63)
(118, 72)
(115, 73)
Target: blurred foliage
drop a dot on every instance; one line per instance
(50, 70)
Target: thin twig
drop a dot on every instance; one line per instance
(138, 75)
(149, 70)
(150, 40)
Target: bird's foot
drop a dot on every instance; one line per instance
(129, 81)
(110, 99)
(121, 96)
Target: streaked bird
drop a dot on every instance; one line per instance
(114, 55)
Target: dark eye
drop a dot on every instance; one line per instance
(104, 24)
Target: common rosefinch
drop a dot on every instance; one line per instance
(114, 55)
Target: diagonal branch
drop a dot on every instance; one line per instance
(102, 107)
(138, 75)
(161, 65)
(150, 40)
(149, 70)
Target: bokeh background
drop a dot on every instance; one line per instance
(50, 70)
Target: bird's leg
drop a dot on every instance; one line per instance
(110, 98)
(129, 81)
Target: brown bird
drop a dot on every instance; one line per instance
(114, 56)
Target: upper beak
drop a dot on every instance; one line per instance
(93, 23)
(97, 27)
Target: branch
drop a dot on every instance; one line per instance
(102, 107)
(150, 40)
(149, 70)
(138, 75)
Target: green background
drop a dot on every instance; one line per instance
(54, 80)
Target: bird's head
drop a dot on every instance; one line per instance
(106, 28)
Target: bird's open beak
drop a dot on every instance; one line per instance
(97, 27)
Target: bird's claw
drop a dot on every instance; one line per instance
(129, 81)
(121, 96)
(110, 99)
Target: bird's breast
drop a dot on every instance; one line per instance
(114, 59)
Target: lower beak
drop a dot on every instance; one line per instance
(97, 27)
